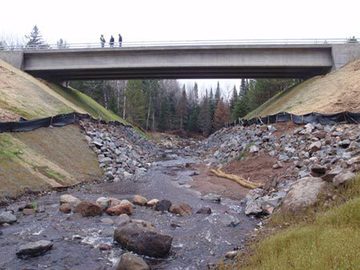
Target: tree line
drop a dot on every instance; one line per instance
(164, 105)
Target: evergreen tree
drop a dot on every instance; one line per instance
(194, 109)
(241, 108)
(182, 109)
(136, 103)
(222, 115)
(205, 122)
(35, 39)
(233, 100)
(217, 94)
(243, 88)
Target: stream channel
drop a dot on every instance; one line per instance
(199, 240)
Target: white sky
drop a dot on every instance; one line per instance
(82, 21)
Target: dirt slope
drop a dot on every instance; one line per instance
(47, 157)
(23, 95)
(335, 92)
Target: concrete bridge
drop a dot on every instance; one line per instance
(178, 61)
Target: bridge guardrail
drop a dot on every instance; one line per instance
(140, 44)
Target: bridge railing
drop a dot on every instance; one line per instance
(140, 44)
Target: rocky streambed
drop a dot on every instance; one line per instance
(149, 201)
(202, 227)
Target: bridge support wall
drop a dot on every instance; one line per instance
(14, 58)
(344, 53)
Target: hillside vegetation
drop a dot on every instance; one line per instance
(335, 92)
(325, 239)
(47, 157)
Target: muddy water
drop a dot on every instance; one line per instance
(199, 240)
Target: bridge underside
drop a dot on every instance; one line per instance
(181, 73)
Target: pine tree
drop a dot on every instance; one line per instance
(222, 115)
(233, 101)
(243, 88)
(194, 109)
(136, 103)
(217, 94)
(182, 109)
(35, 39)
(205, 122)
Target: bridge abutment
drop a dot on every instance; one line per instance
(344, 53)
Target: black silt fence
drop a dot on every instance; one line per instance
(56, 121)
(324, 119)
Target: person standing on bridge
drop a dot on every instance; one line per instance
(112, 40)
(102, 41)
(120, 40)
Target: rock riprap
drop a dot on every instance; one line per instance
(122, 152)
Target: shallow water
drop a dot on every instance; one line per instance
(199, 239)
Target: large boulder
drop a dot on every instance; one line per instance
(34, 249)
(342, 178)
(303, 193)
(88, 209)
(142, 240)
(129, 261)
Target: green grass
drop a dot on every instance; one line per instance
(86, 103)
(271, 106)
(46, 171)
(327, 237)
(91, 106)
(8, 150)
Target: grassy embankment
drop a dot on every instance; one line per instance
(335, 92)
(323, 237)
(46, 157)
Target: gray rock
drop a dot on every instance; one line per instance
(254, 149)
(343, 178)
(204, 210)
(70, 199)
(303, 193)
(253, 207)
(211, 197)
(331, 174)
(129, 261)
(314, 147)
(7, 217)
(34, 249)
(142, 240)
(231, 254)
(107, 221)
(105, 160)
(163, 205)
(98, 143)
(344, 143)
(229, 220)
(122, 220)
(318, 170)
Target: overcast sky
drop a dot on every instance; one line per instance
(82, 21)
